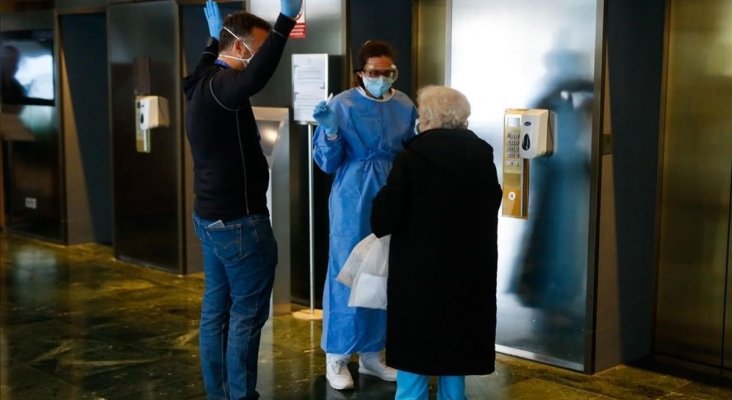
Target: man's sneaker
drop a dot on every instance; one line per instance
(338, 375)
(371, 364)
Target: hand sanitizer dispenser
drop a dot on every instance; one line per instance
(153, 112)
(150, 112)
(536, 139)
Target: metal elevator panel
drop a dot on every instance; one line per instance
(727, 356)
(527, 54)
(147, 194)
(429, 42)
(695, 198)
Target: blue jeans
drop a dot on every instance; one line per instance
(239, 259)
(416, 387)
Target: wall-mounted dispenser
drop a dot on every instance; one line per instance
(527, 134)
(536, 139)
(150, 112)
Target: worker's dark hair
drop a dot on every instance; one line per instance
(371, 48)
(241, 24)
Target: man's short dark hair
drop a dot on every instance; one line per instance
(241, 24)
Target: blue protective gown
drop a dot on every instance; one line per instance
(370, 134)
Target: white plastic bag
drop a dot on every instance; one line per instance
(369, 291)
(366, 271)
(355, 260)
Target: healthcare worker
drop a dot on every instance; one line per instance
(360, 132)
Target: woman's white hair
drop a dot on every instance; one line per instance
(442, 107)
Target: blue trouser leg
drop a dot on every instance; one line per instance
(416, 387)
(239, 264)
(214, 325)
(411, 386)
(251, 288)
(451, 388)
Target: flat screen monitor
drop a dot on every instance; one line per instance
(27, 67)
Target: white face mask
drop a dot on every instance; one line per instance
(243, 60)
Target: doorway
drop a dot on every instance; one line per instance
(694, 298)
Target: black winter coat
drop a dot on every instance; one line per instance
(440, 204)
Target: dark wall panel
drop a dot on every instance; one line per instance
(88, 137)
(33, 175)
(80, 6)
(147, 214)
(635, 31)
(367, 20)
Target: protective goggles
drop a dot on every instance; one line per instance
(371, 71)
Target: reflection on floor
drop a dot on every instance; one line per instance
(77, 324)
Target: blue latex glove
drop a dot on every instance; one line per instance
(290, 8)
(325, 118)
(213, 17)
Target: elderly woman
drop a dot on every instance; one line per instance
(440, 204)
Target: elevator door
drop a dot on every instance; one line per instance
(693, 296)
(528, 54)
(727, 361)
(146, 186)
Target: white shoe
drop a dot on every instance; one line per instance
(337, 373)
(371, 364)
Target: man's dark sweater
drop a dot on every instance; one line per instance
(230, 171)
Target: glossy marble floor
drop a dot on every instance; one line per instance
(77, 324)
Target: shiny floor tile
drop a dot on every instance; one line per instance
(77, 324)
